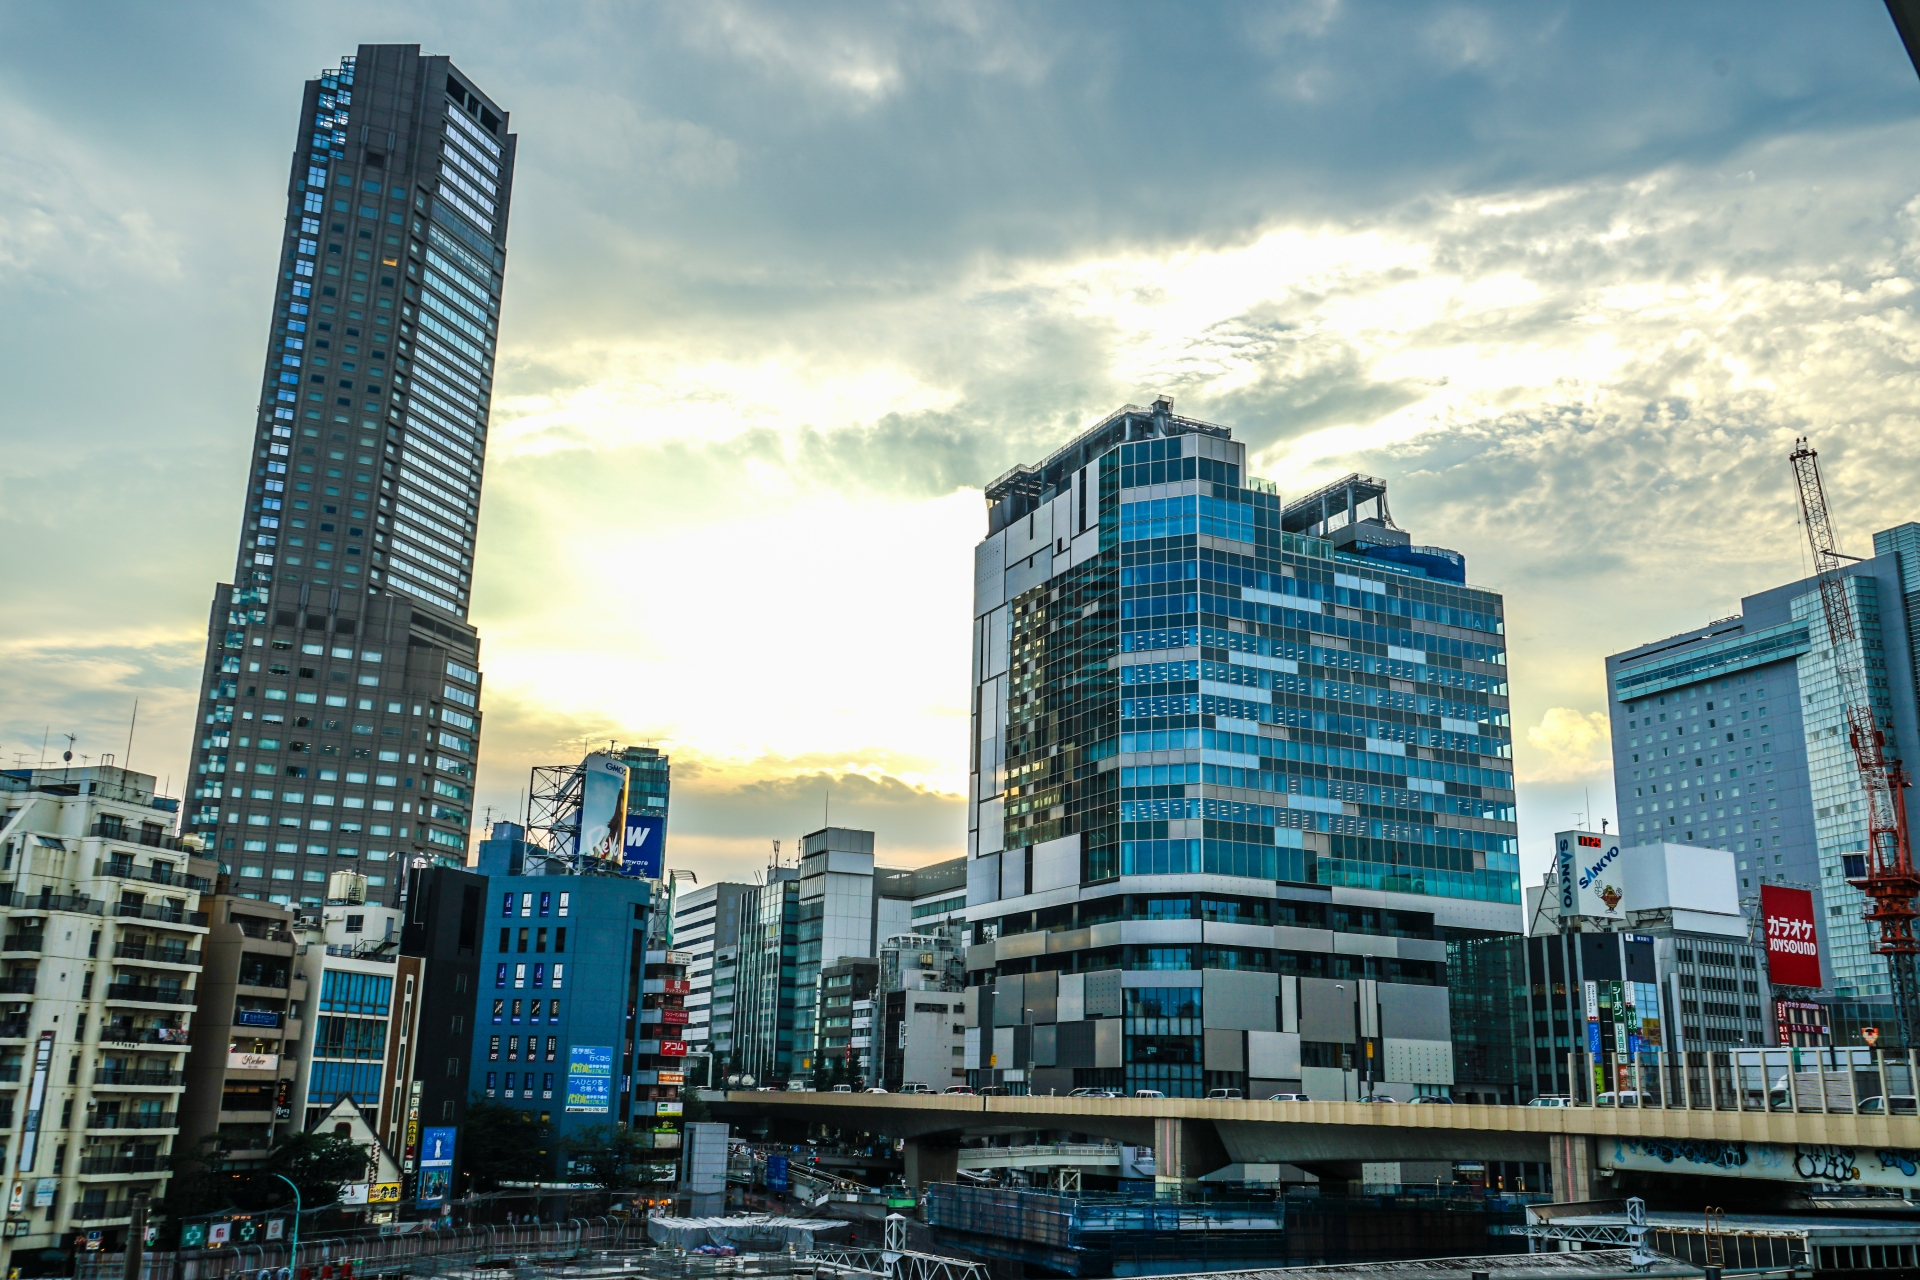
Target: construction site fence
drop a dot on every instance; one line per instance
(424, 1250)
(1842, 1080)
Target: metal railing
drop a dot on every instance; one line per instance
(56, 902)
(159, 914)
(158, 955)
(133, 991)
(134, 1120)
(121, 869)
(374, 1252)
(23, 942)
(135, 835)
(120, 1164)
(18, 984)
(102, 1210)
(13, 1030)
(360, 952)
(1832, 1080)
(264, 932)
(122, 1076)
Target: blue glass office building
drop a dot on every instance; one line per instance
(1251, 758)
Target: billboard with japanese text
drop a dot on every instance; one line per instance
(1793, 948)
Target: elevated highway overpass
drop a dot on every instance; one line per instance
(1192, 1136)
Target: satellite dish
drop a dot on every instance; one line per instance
(67, 756)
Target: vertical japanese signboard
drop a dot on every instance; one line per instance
(590, 1079)
(1793, 950)
(436, 1166)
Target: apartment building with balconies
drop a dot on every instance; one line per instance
(101, 938)
(247, 1031)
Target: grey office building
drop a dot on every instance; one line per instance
(339, 718)
(1733, 735)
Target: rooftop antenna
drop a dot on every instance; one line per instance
(1588, 792)
(826, 808)
(131, 721)
(67, 755)
(44, 735)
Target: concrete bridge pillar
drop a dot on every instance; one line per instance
(1185, 1149)
(930, 1159)
(1571, 1158)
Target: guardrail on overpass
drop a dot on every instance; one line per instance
(1193, 1136)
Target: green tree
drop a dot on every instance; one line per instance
(199, 1184)
(500, 1143)
(317, 1163)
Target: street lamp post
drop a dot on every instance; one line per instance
(1025, 1015)
(1341, 987)
(293, 1249)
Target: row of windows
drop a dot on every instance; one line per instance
(513, 1048)
(519, 975)
(501, 1010)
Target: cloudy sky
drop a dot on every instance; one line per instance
(789, 283)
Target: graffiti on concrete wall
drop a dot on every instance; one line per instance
(1896, 1167)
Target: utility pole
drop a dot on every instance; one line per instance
(136, 1237)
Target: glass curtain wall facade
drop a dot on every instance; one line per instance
(342, 676)
(1227, 727)
(765, 1000)
(1733, 736)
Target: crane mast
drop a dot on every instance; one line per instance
(1890, 883)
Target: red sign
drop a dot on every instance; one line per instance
(676, 985)
(1793, 951)
(673, 1048)
(674, 1017)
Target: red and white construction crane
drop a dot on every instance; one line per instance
(1890, 883)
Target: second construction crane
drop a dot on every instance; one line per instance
(1890, 883)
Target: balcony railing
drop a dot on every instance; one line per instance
(139, 1078)
(102, 1210)
(263, 978)
(159, 955)
(119, 1164)
(261, 930)
(150, 995)
(14, 1030)
(165, 915)
(361, 953)
(155, 874)
(134, 1120)
(117, 1033)
(9, 1073)
(18, 984)
(136, 835)
(54, 902)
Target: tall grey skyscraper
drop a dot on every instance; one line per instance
(339, 717)
(1734, 736)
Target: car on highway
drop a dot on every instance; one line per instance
(875, 1089)
(1625, 1098)
(1551, 1100)
(1223, 1095)
(914, 1086)
(843, 1088)
(1091, 1092)
(1289, 1097)
(1148, 1093)
(964, 1090)
(1902, 1105)
(1431, 1098)
(1377, 1097)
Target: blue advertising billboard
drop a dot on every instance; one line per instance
(776, 1173)
(646, 840)
(436, 1166)
(590, 1079)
